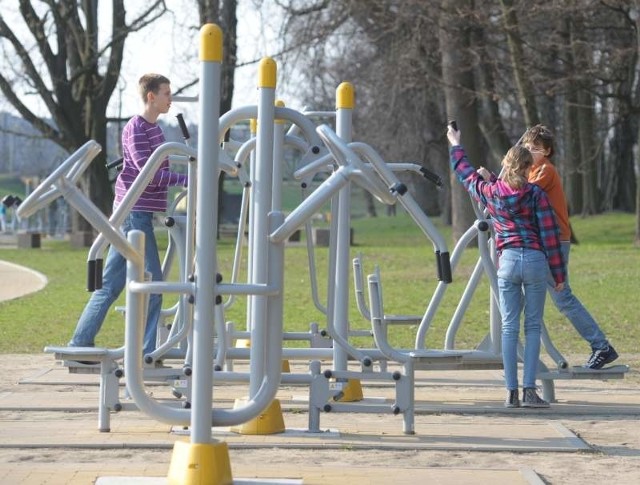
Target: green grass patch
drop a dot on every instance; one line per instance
(604, 270)
(11, 185)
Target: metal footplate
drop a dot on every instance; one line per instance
(455, 360)
(402, 319)
(73, 356)
(579, 372)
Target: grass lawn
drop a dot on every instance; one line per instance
(604, 270)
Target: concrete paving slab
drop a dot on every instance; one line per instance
(306, 474)
(452, 392)
(355, 475)
(62, 418)
(69, 409)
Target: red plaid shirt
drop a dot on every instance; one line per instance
(522, 218)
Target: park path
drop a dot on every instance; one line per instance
(17, 281)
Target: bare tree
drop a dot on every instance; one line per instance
(459, 91)
(523, 82)
(223, 13)
(56, 57)
(570, 65)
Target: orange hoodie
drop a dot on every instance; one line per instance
(545, 175)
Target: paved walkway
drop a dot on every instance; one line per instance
(17, 281)
(48, 432)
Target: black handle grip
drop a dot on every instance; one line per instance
(444, 267)
(98, 275)
(453, 124)
(431, 176)
(183, 126)
(91, 275)
(115, 163)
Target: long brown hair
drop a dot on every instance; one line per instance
(515, 164)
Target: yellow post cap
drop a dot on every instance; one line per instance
(267, 73)
(280, 104)
(345, 96)
(211, 43)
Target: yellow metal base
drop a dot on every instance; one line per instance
(243, 343)
(351, 391)
(199, 464)
(270, 421)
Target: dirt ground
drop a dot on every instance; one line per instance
(613, 457)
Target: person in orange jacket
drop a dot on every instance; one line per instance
(539, 141)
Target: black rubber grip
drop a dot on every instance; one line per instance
(453, 124)
(115, 163)
(99, 273)
(183, 126)
(431, 176)
(91, 275)
(445, 267)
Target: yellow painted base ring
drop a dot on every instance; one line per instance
(352, 391)
(199, 464)
(270, 421)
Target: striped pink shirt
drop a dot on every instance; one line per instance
(139, 140)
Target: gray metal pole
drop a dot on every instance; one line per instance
(205, 267)
(344, 117)
(261, 206)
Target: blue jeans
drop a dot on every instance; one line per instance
(521, 272)
(113, 281)
(567, 303)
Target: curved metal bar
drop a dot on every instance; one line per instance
(71, 169)
(144, 178)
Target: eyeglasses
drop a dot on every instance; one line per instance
(535, 149)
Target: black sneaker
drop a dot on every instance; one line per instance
(512, 400)
(530, 399)
(601, 357)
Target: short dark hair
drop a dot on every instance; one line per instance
(150, 83)
(539, 135)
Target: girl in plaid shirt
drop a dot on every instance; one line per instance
(528, 245)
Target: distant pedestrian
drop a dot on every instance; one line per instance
(3, 217)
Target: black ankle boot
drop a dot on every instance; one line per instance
(512, 400)
(530, 399)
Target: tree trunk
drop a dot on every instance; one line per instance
(569, 170)
(490, 120)
(461, 104)
(523, 84)
(568, 167)
(637, 238)
(589, 154)
(586, 162)
(225, 16)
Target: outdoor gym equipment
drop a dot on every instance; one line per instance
(203, 288)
